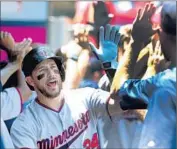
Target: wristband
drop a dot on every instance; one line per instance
(110, 65)
(74, 58)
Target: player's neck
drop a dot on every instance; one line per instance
(53, 103)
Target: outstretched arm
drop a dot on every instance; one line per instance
(141, 33)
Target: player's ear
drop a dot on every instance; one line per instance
(30, 81)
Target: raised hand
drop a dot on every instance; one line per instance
(156, 59)
(24, 47)
(79, 43)
(142, 28)
(15, 50)
(81, 33)
(7, 40)
(108, 42)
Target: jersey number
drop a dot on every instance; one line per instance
(92, 144)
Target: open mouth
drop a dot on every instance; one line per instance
(52, 84)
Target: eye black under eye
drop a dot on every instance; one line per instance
(39, 77)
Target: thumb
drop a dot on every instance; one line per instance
(94, 50)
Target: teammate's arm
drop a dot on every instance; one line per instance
(78, 57)
(11, 99)
(8, 71)
(140, 37)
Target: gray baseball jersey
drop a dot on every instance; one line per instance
(72, 126)
(10, 107)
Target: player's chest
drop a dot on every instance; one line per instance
(67, 129)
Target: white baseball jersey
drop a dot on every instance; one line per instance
(159, 92)
(72, 126)
(10, 107)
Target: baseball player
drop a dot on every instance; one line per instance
(60, 118)
(158, 92)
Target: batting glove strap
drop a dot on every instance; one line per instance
(110, 65)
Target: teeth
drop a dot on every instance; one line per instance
(52, 81)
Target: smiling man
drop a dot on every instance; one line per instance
(60, 118)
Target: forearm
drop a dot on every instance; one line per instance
(126, 67)
(71, 74)
(83, 62)
(22, 86)
(8, 71)
(75, 70)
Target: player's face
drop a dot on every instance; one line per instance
(47, 79)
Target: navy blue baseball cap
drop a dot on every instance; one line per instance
(39, 54)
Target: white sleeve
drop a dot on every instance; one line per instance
(11, 103)
(22, 134)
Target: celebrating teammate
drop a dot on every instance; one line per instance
(12, 98)
(158, 92)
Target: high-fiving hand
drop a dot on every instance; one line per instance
(7, 41)
(142, 27)
(156, 59)
(108, 42)
(16, 51)
(23, 47)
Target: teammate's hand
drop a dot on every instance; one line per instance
(142, 28)
(101, 15)
(81, 33)
(24, 47)
(156, 61)
(72, 49)
(8, 42)
(108, 41)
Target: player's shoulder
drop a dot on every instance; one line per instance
(79, 91)
(86, 93)
(27, 116)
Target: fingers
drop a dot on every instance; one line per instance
(117, 39)
(158, 49)
(138, 15)
(5, 35)
(145, 11)
(94, 50)
(81, 32)
(113, 33)
(151, 10)
(151, 52)
(108, 32)
(24, 45)
(101, 34)
(148, 10)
